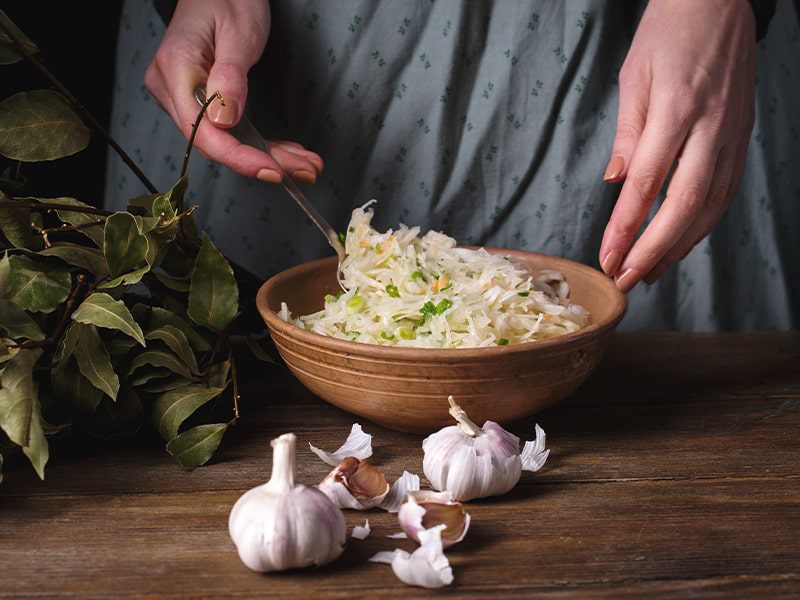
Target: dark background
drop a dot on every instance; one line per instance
(78, 42)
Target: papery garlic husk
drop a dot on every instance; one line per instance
(355, 484)
(358, 444)
(282, 525)
(361, 532)
(426, 567)
(475, 462)
(424, 511)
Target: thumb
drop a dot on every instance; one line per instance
(228, 75)
(634, 99)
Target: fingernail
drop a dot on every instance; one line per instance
(614, 169)
(628, 279)
(304, 176)
(269, 176)
(656, 273)
(224, 116)
(317, 163)
(611, 262)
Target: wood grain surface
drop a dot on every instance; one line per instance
(674, 472)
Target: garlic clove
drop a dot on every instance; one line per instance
(426, 567)
(355, 484)
(361, 532)
(533, 454)
(358, 445)
(407, 483)
(416, 516)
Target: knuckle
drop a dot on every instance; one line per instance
(625, 231)
(646, 183)
(627, 131)
(691, 199)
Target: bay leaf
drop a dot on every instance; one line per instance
(125, 248)
(176, 285)
(144, 375)
(194, 447)
(16, 323)
(9, 53)
(37, 449)
(90, 259)
(120, 345)
(172, 408)
(160, 317)
(218, 373)
(213, 295)
(15, 223)
(94, 361)
(102, 310)
(176, 341)
(40, 125)
(71, 386)
(165, 384)
(5, 273)
(66, 345)
(126, 279)
(161, 358)
(17, 396)
(36, 287)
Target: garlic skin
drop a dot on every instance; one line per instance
(429, 509)
(358, 444)
(282, 525)
(426, 567)
(476, 462)
(355, 484)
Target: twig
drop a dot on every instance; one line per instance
(235, 380)
(69, 307)
(195, 127)
(79, 107)
(221, 339)
(45, 233)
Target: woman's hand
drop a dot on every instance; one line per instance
(217, 41)
(687, 93)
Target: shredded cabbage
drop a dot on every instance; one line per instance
(424, 292)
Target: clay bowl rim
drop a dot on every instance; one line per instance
(273, 320)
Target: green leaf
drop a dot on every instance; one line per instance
(126, 279)
(172, 408)
(77, 218)
(112, 419)
(160, 317)
(70, 385)
(102, 310)
(37, 449)
(94, 362)
(161, 358)
(15, 223)
(165, 384)
(9, 54)
(90, 259)
(258, 351)
(218, 374)
(16, 323)
(144, 375)
(176, 285)
(119, 345)
(12, 184)
(66, 345)
(40, 125)
(17, 396)
(177, 342)
(5, 273)
(213, 295)
(125, 247)
(195, 446)
(36, 287)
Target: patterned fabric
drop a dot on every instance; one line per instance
(490, 121)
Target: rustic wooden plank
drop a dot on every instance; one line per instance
(555, 538)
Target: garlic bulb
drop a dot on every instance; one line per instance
(475, 462)
(427, 567)
(282, 525)
(425, 510)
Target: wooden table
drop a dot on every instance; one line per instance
(675, 472)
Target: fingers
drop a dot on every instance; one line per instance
(301, 151)
(685, 203)
(634, 98)
(652, 159)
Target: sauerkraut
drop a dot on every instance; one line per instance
(425, 292)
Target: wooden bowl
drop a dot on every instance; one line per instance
(406, 388)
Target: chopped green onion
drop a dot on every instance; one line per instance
(502, 342)
(387, 336)
(429, 308)
(339, 294)
(447, 287)
(524, 294)
(351, 229)
(406, 333)
(392, 291)
(418, 275)
(342, 238)
(354, 305)
(443, 306)
(329, 298)
(378, 247)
